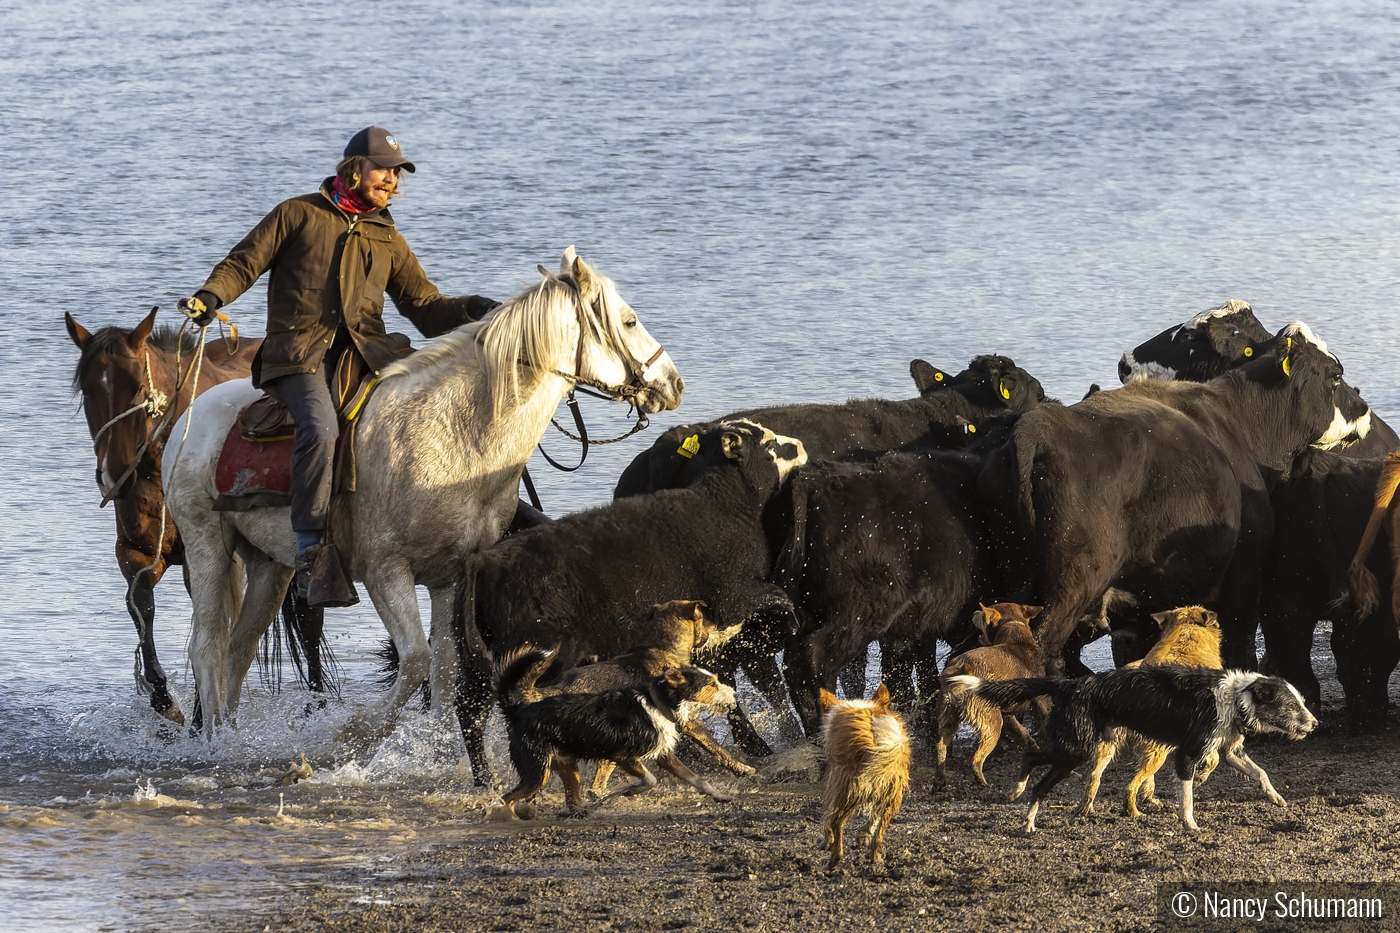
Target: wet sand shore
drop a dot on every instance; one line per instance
(957, 858)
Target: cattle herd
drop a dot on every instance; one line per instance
(1235, 469)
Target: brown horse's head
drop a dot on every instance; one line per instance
(114, 375)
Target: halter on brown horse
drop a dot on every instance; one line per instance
(128, 381)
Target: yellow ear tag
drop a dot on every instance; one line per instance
(1248, 352)
(689, 447)
(1005, 392)
(1286, 370)
(937, 377)
(972, 429)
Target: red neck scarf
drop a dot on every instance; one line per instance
(348, 199)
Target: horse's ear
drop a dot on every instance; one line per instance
(926, 376)
(566, 265)
(78, 332)
(139, 334)
(587, 281)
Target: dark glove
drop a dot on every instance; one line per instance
(478, 306)
(202, 307)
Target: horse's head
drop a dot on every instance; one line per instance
(114, 377)
(615, 350)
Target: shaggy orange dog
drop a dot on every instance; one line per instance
(867, 768)
(1190, 638)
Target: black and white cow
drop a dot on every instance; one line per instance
(1320, 513)
(588, 580)
(1218, 340)
(949, 412)
(1157, 488)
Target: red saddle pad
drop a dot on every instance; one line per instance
(249, 468)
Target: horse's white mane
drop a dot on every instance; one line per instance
(1233, 306)
(530, 332)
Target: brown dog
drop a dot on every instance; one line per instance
(679, 631)
(1009, 651)
(1190, 638)
(867, 768)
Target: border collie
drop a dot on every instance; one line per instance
(630, 726)
(1199, 712)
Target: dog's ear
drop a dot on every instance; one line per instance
(1265, 690)
(827, 699)
(1162, 618)
(674, 675)
(695, 606)
(1209, 619)
(882, 697)
(1032, 611)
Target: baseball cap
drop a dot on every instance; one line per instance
(379, 146)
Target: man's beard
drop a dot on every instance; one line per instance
(378, 196)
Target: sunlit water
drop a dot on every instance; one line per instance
(797, 199)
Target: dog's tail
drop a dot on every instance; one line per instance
(1007, 692)
(517, 672)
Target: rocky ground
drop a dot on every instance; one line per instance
(957, 858)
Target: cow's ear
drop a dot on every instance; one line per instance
(1162, 618)
(1285, 363)
(926, 376)
(732, 443)
(882, 697)
(139, 334)
(76, 331)
(827, 699)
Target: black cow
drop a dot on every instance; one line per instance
(949, 411)
(586, 581)
(1216, 341)
(1158, 488)
(888, 551)
(1320, 513)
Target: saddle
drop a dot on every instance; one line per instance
(255, 465)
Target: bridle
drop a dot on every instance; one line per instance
(153, 403)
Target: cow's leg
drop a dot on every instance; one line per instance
(897, 673)
(767, 678)
(802, 684)
(1288, 642)
(472, 699)
(852, 677)
(267, 584)
(1367, 652)
(390, 585)
(445, 667)
(745, 735)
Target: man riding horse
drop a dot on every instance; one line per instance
(333, 254)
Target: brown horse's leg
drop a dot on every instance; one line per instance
(141, 605)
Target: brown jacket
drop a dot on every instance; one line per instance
(330, 269)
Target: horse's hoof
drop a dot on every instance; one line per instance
(173, 713)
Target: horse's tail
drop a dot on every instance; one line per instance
(465, 630)
(1365, 591)
(388, 671)
(517, 672)
(312, 658)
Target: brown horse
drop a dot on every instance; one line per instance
(128, 381)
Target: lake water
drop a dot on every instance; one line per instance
(797, 198)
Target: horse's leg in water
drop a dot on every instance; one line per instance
(141, 604)
(473, 699)
(391, 589)
(267, 585)
(213, 572)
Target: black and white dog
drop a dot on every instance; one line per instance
(1203, 713)
(631, 726)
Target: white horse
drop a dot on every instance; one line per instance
(439, 449)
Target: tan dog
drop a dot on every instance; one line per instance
(1009, 651)
(679, 631)
(867, 768)
(1190, 638)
